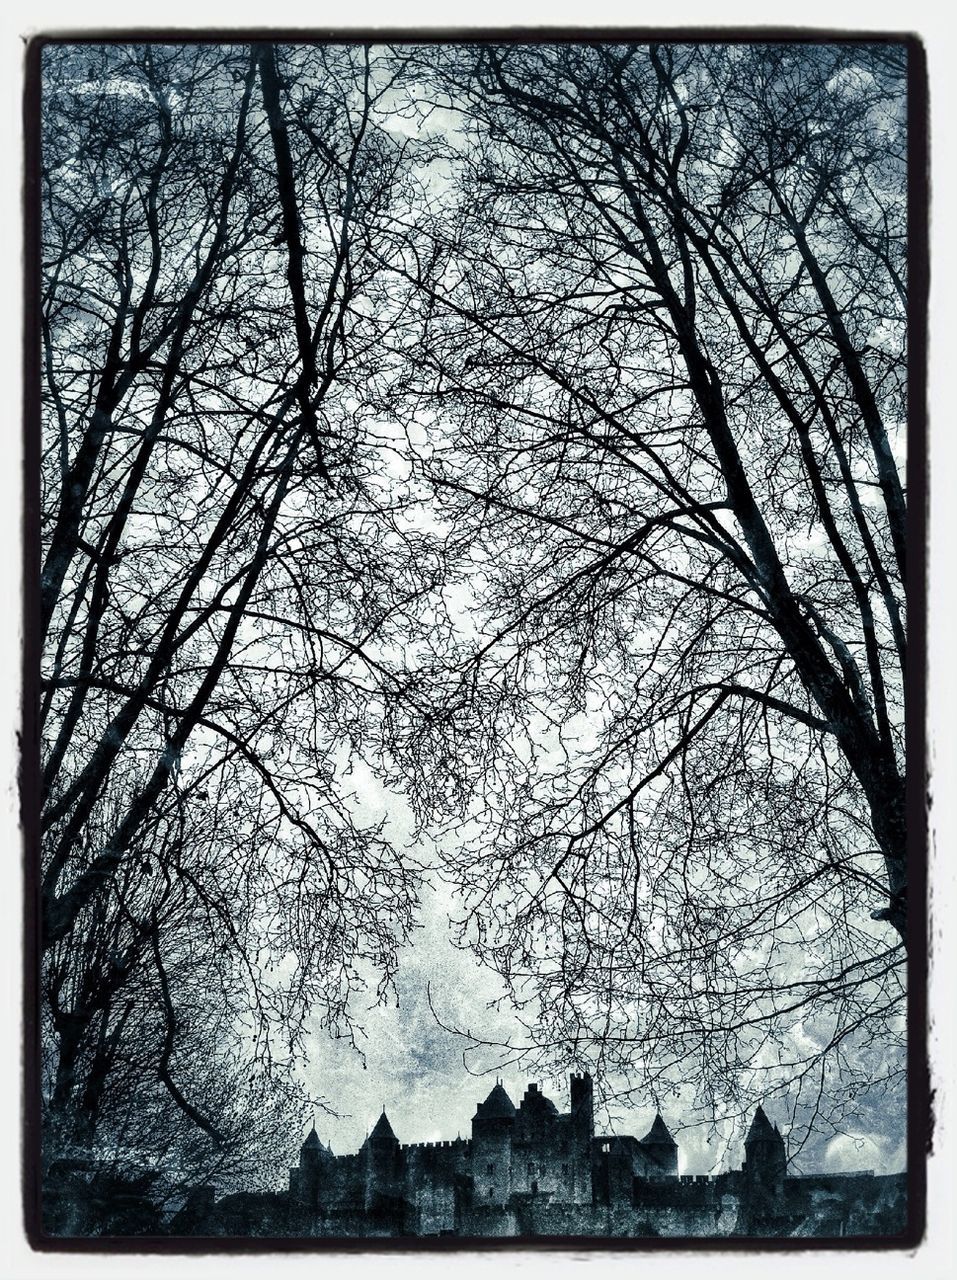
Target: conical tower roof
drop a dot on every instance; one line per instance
(382, 1134)
(312, 1138)
(761, 1129)
(498, 1105)
(658, 1134)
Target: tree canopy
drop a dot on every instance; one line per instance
(666, 333)
(526, 422)
(226, 586)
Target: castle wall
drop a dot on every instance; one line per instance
(434, 1174)
(540, 1217)
(848, 1204)
(492, 1162)
(543, 1158)
(495, 1221)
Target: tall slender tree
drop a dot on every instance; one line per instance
(226, 585)
(665, 324)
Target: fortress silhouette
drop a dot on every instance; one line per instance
(532, 1171)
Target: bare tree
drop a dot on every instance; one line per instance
(227, 584)
(640, 311)
(663, 296)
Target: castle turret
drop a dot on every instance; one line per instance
(660, 1150)
(763, 1170)
(305, 1182)
(492, 1127)
(582, 1134)
(381, 1158)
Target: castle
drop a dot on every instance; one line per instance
(532, 1170)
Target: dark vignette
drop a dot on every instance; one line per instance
(920, 1117)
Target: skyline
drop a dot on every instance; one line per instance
(399, 1073)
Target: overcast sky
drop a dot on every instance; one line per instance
(415, 1069)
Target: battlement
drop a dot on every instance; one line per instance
(684, 1191)
(839, 1181)
(449, 1144)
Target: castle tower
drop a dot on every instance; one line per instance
(536, 1112)
(540, 1156)
(381, 1163)
(660, 1149)
(492, 1128)
(305, 1183)
(582, 1133)
(763, 1170)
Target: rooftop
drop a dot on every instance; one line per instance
(498, 1105)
